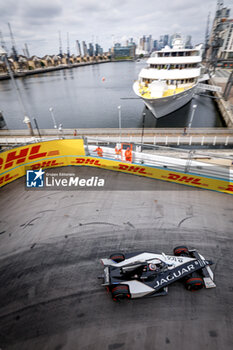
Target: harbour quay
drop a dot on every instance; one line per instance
(198, 137)
(50, 68)
(224, 79)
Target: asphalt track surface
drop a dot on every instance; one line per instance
(50, 246)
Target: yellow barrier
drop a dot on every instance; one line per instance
(13, 164)
(47, 154)
(159, 174)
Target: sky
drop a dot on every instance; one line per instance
(37, 22)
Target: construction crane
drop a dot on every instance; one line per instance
(68, 46)
(60, 45)
(14, 51)
(206, 37)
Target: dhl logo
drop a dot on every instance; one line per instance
(87, 161)
(186, 179)
(19, 156)
(132, 168)
(47, 164)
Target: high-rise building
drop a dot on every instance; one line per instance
(172, 37)
(221, 37)
(142, 42)
(165, 40)
(155, 45)
(98, 50)
(91, 50)
(161, 42)
(145, 44)
(85, 53)
(226, 50)
(78, 46)
(188, 44)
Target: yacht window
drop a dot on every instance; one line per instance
(173, 54)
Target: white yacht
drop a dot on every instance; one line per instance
(169, 81)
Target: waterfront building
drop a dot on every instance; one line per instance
(47, 61)
(220, 51)
(3, 68)
(120, 51)
(56, 60)
(132, 47)
(124, 51)
(22, 63)
(34, 62)
(225, 53)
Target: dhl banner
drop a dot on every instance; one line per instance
(13, 164)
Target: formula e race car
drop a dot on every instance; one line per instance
(142, 274)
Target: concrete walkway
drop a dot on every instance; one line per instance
(226, 107)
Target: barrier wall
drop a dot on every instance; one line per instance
(49, 154)
(13, 164)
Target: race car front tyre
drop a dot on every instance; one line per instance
(118, 257)
(120, 292)
(194, 283)
(181, 251)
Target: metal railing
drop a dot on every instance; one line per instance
(187, 161)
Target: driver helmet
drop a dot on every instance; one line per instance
(152, 267)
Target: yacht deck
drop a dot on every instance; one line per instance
(146, 93)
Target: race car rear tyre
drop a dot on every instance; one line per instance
(118, 257)
(120, 292)
(181, 251)
(194, 283)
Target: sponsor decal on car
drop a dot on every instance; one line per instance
(179, 272)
